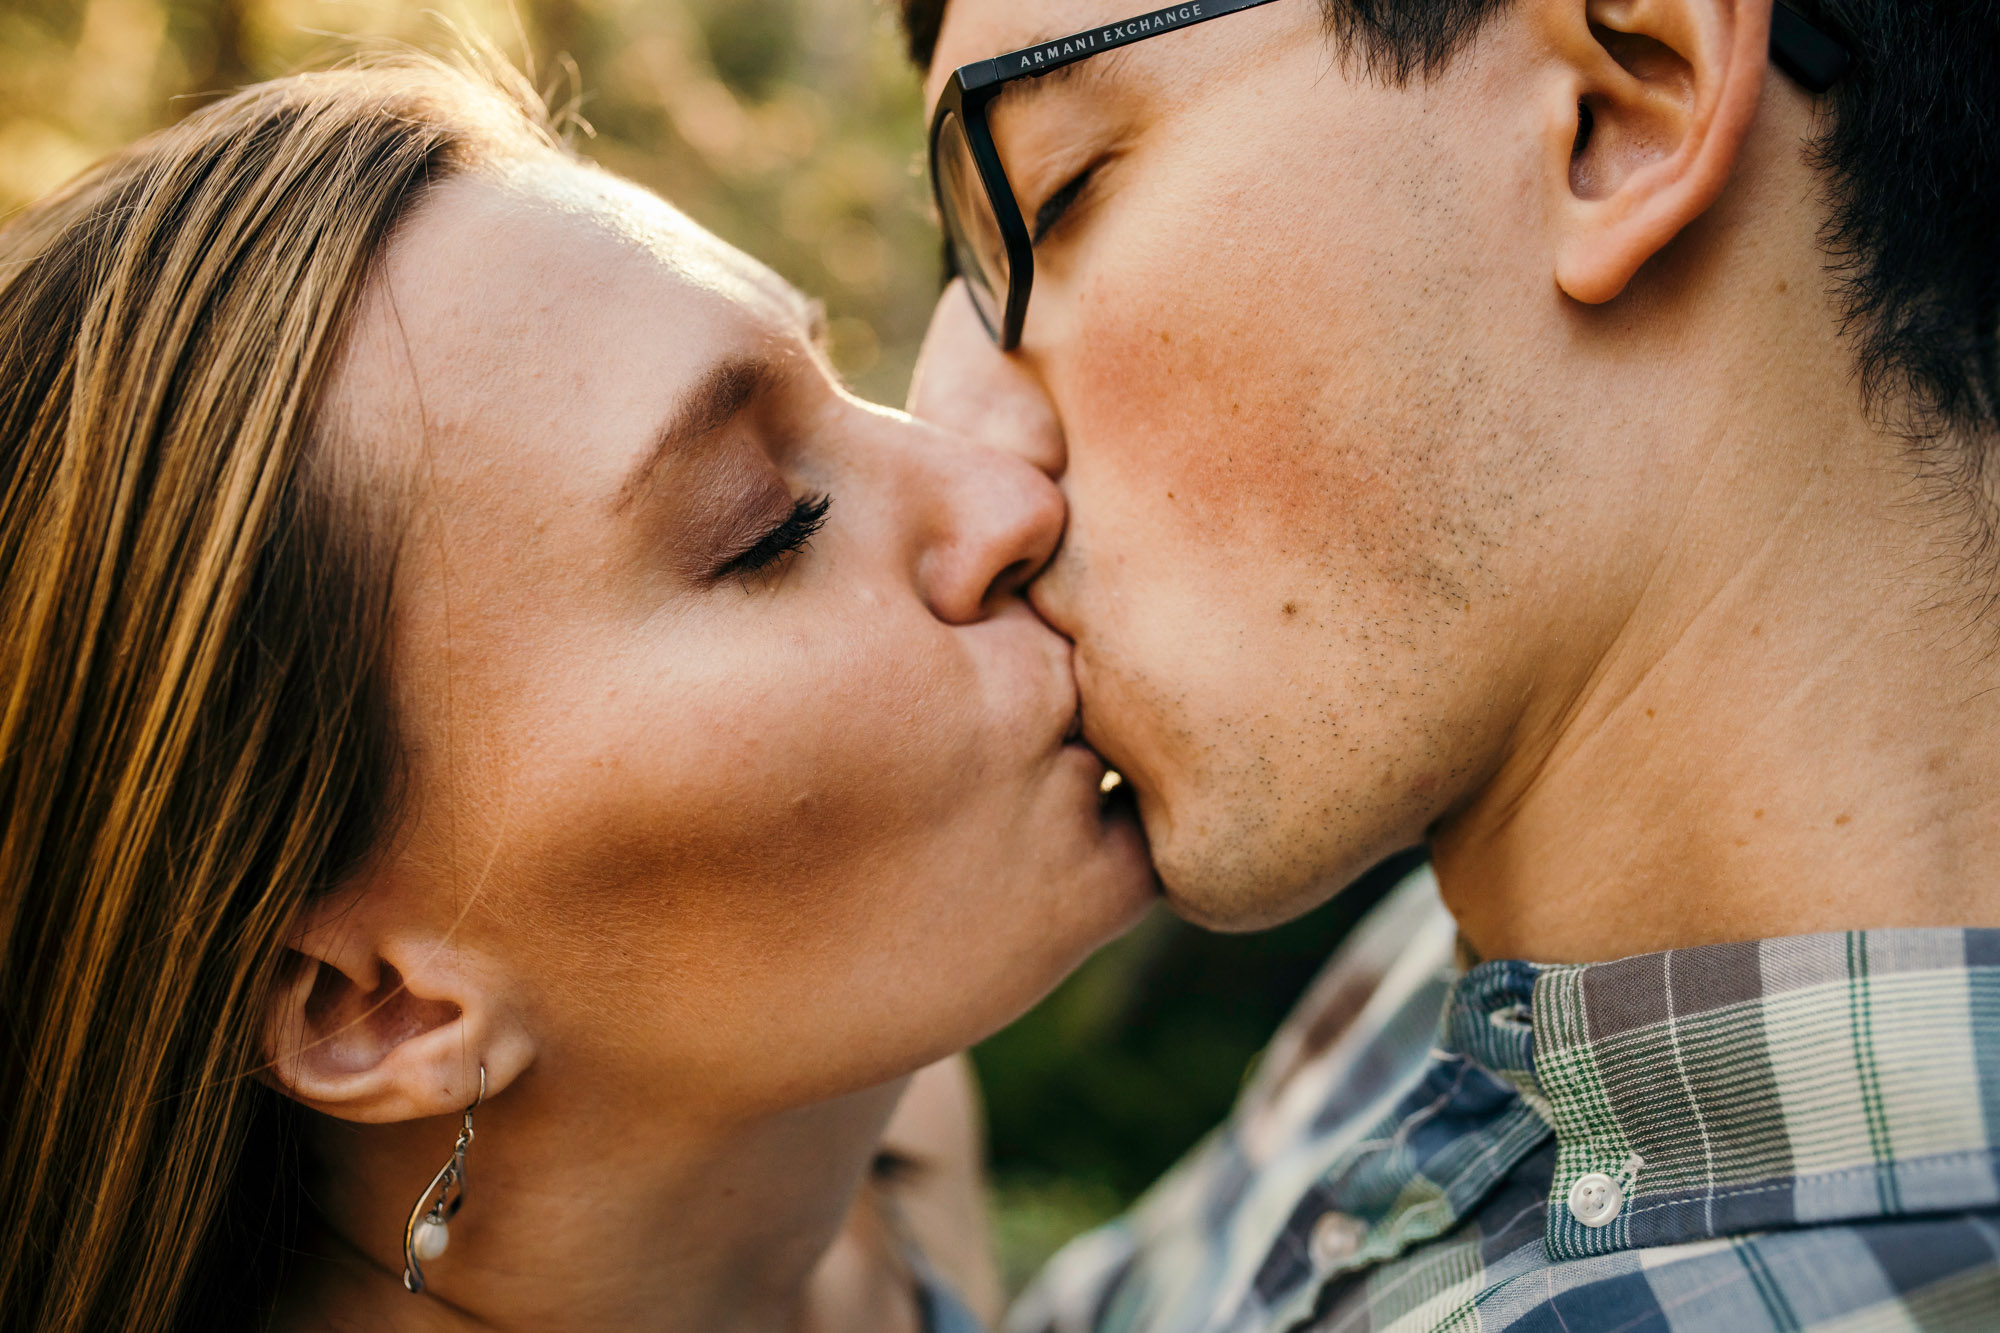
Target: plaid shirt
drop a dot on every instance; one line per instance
(1780, 1135)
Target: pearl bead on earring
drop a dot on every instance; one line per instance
(431, 1239)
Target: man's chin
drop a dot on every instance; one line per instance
(1211, 887)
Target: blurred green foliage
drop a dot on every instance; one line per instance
(789, 127)
(792, 128)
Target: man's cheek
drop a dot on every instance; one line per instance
(1213, 412)
(1147, 418)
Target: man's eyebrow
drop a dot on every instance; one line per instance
(708, 407)
(1097, 69)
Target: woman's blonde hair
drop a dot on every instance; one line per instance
(194, 736)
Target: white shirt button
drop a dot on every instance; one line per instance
(1336, 1238)
(1595, 1199)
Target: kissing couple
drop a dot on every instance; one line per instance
(518, 785)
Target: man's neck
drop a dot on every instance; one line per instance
(1791, 731)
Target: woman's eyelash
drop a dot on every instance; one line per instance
(800, 526)
(1057, 204)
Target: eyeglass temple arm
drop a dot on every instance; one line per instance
(1803, 51)
(1045, 57)
(1797, 46)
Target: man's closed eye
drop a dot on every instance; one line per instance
(1051, 212)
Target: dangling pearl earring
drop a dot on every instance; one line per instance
(427, 1232)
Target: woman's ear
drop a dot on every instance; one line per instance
(376, 1021)
(1659, 97)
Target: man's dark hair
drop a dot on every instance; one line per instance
(1911, 155)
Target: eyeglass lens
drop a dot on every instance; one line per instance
(969, 222)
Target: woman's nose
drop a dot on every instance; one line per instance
(1000, 521)
(969, 386)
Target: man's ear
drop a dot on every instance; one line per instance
(1658, 98)
(374, 1020)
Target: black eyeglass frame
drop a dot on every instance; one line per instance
(1811, 57)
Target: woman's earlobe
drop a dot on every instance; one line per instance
(1664, 95)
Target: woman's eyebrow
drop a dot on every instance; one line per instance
(708, 407)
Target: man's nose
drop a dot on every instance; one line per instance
(967, 384)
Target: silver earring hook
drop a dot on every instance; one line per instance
(428, 1231)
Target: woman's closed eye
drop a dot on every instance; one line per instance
(793, 534)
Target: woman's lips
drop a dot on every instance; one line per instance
(1115, 796)
(1113, 791)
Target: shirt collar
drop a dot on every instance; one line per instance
(1738, 1087)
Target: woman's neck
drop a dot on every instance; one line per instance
(585, 1212)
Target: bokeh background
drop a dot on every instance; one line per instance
(793, 129)
(787, 126)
